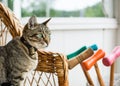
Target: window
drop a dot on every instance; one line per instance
(62, 8)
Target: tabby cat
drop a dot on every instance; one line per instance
(19, 56)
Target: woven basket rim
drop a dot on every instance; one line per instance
(11, 21)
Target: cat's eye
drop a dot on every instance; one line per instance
(39, 35)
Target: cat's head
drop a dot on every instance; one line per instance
(37, 35)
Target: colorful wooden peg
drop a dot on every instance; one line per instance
(109, 61)
(88, 63)
(78, 59)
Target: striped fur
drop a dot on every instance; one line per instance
(19, 56)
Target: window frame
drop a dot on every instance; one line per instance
(73, 23)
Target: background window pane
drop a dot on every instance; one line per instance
(62, 8)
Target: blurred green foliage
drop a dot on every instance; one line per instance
(33, 9)
(94, 11)
(57, 13)
(10, 4)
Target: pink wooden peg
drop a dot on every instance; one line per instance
(109, 60)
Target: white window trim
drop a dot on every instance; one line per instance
(78, 23)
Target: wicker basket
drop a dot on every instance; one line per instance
(50, 64)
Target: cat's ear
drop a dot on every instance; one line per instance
(32, 21)
(45, 23)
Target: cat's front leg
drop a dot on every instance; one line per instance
(33, 53)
